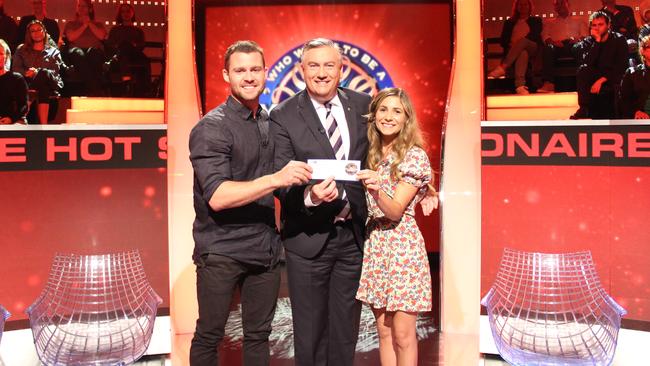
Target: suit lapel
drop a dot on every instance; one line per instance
(350, 117)
(309, 115)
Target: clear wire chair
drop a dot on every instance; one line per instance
(550, 309)
(4, 315)
(94, 310)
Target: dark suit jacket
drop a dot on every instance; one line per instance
(608, 59)
(299, 135)
(635, 90)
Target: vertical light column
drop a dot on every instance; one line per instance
(461, 179)
(182, 111)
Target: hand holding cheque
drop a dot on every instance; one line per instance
(329, 171)
(295, 172)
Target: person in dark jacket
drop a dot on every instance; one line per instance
(85, 41)
(521, 38)
(13, 90)
(8, 28)
(39, 61)
(599, 76)
(635, 88)
(124, 48)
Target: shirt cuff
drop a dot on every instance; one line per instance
(308, 202)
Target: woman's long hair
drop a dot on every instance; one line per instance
(515, 13)
(118, 16)
(29, 42)
(407, 137)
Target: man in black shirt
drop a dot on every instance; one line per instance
(599, 77)
(236, 241)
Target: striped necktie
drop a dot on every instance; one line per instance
(334, 135)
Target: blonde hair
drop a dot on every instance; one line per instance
(643, 41)
(7, 51)
(408, 137)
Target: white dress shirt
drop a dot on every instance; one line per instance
(339, 115)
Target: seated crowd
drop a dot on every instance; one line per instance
(45, 59)
(601, 51)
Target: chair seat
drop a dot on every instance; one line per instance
(545, 339)
(550, 309)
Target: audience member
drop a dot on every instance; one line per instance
(124, 47)
(39, 61)
(621, 18)
(40, 13)
(13, 90)
(559, 34)
(598, 78)
(85, 38)
(8, 28)
(635, 88)
(521, 38)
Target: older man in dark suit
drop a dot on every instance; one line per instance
(323, 223)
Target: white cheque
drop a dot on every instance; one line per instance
(339, 169)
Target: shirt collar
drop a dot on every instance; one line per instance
(335, 102)
(243, 111)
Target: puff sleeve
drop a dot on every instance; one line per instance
(415, 168)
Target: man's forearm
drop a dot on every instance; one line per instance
(232, 194)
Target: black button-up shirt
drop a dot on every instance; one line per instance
(231, 144)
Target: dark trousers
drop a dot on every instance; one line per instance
(45, 83)
(89, 63)
(322, 292)
(601, 105)
(217, 277)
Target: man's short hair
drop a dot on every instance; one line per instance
(599, 14)
(317, 43)
(243, 47)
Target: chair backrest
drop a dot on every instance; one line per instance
(552, 305)
(96, 284)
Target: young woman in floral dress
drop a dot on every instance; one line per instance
(395, 279)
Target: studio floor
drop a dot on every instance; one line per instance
(434, 350)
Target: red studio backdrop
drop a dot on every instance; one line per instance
(81, 191)
(579, 188)
(407, 45)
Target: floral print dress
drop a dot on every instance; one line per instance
(395, 273)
